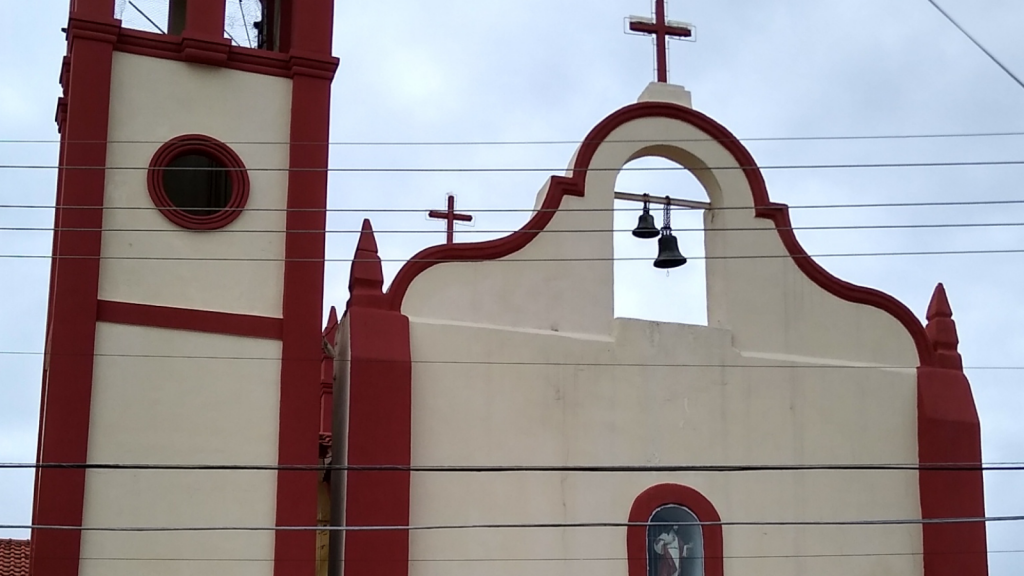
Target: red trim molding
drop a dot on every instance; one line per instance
(312, 69)
(664, 495)
(224, 55)
(207, 146)
(74, 289)
(189, 319)
(575, 186)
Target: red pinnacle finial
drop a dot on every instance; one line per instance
(366, 279)
(942, 330)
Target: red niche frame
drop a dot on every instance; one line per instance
(661, 495)
(193, 143)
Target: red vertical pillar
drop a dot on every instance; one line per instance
(949, 433)
(64, 424)
(99, 10)
(204, 19)
(379, 422)
(306, 221)
(203, 38)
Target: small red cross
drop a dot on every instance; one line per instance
(451, 216)
(662, 31)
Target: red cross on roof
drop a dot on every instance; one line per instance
(662, 29)
(451, 216)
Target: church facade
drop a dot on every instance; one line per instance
(485, 411)
(505, 356)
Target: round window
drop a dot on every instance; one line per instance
(198, 182)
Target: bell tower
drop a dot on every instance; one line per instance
(185, 307)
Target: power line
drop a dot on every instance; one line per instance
(521, 169)
(954, 203)
(378, 231)
(148, 19)
(531, 525)
(551, 142)
(520, 260)
(977, 43)
(567, 559)
(583, 468)
(508, 363)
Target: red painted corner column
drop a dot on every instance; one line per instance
(949, 432)
(379, 421)
(302, 350)
(74, 289)
(380, 412)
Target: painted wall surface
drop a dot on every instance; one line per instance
(153, 100)
(155, 403)
(519, 362)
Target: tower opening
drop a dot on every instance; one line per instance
(247, 23)
(641, 290)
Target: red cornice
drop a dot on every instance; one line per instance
(575, 186)
(225, 56)
(189, 319)
(204, 51)
(663, 495)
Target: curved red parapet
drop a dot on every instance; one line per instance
(575, 186)
(559, 187)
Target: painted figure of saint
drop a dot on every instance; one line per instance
(674, 549)
(670, 552)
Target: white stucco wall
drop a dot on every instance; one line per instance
(473, 404)
(175, 397)
(153, 100)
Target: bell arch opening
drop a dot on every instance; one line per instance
(643, 291)
(247, 23)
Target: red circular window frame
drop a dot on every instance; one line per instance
(219, 151)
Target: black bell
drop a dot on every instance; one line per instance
(669, 255)
(645, 227)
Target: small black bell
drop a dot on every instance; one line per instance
(645, 227)
(668, 251)
(669, 255)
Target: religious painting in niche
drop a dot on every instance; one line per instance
(675, 544)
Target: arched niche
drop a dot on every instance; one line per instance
(676, 511)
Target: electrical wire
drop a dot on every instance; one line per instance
(378, 231)
(531, 525)
(515, 260)
(954, 203)
(505, 363)
(977, 43)
(554, 142)
(946, 553)
(521, 169)
(584, 468)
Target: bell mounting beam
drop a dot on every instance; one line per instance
(661, 201)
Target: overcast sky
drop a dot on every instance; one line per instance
(532, 70)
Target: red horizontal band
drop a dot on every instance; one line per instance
(189, 319)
